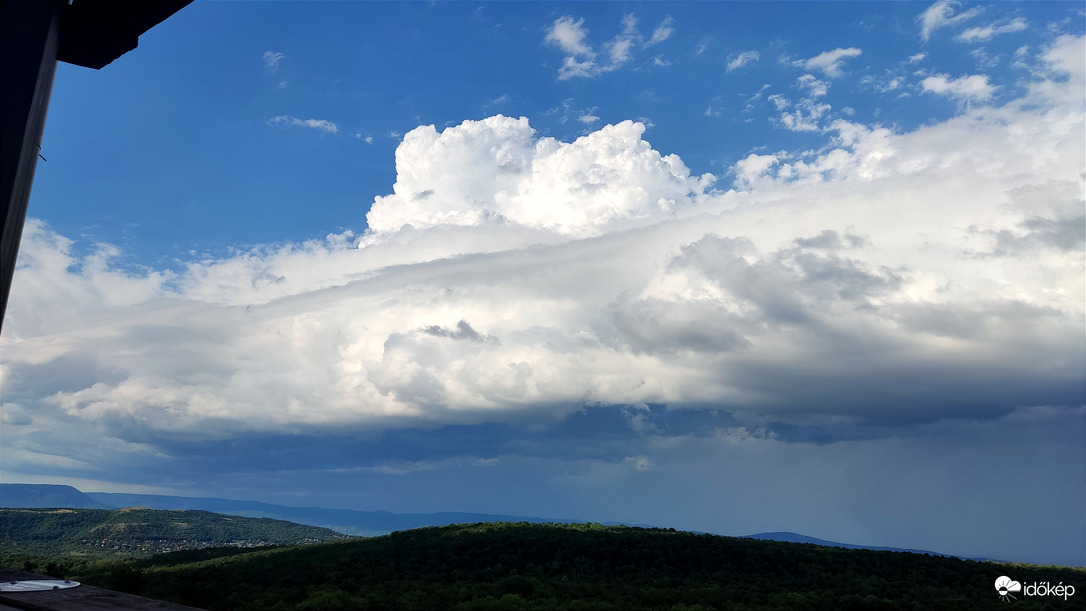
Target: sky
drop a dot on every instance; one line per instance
(719, 266)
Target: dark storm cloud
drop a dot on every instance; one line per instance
(829, 239)
(1051, 218)
(654, 326)
(463, 331)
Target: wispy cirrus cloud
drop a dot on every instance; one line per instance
(743, 59)
(321, 125)
(702, 45)
(662, 32)
(987, 32)
(829, 62)
(567, 111)
(272, 59)
(582, 59)
(943, 14)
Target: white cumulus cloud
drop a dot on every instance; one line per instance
(569, 35)
(814, 87)
(497, 171)
(972, 87)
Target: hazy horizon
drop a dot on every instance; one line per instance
(729, 267)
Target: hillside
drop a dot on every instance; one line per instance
(374, 523)
(348, 521)
(102, 533)
(47, 495)
(562, 566)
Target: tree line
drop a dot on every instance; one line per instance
(566, 566)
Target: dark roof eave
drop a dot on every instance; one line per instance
(93, 33)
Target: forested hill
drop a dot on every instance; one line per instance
(142, 532)
(348, 521)
(570, 566)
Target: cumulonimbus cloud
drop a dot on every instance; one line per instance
(511, 276)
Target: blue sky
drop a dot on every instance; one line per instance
(723, 266)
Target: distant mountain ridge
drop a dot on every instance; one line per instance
(18, 496)
(791, 537)
(349, 521)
